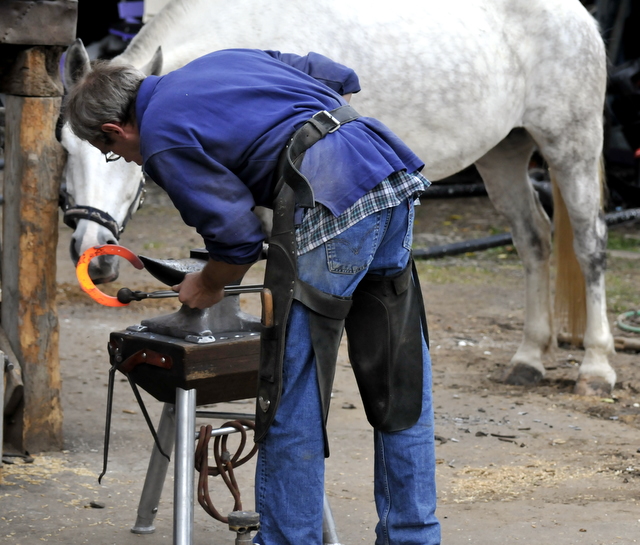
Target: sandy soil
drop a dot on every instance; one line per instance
(515, 465)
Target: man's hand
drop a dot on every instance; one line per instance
(206, 288)
(194, 293)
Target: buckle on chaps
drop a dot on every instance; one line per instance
(324, 119)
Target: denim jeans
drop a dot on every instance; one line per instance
(290, 467)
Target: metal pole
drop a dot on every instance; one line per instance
(225, 415)
(329, 533)
(3, 365)
(184, 467)
(156, 473)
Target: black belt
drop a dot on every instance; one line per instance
(314, 129)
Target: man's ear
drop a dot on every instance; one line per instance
(113, 129)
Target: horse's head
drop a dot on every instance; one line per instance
(97, 197)
(97, 200)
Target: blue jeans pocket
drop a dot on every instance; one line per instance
(408, 239)
(353, 250)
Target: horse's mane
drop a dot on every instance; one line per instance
(161, 26)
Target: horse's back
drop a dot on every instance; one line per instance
(438, 73)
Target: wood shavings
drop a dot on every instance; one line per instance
(509, 482)
(43, 469)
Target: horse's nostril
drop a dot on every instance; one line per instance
(75, 255)
(104, 269)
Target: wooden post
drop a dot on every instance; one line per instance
(33, 35)
(33, 166)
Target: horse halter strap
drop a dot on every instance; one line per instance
(73, 212)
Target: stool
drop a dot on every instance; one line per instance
(184, 375)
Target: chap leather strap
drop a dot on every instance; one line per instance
(326, 316)
(327, 312)
(312, 131)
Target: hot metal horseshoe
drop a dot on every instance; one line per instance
(82, 271)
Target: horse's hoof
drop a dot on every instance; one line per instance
(522, 375)
(592, 386)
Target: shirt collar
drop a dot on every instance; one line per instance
(144, 96)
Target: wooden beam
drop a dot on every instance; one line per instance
(34, 22)
(33, 167)
(31, 72)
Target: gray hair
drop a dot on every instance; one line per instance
(106, 93)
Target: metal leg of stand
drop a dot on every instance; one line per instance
(329, 533)
(2, 372)
(184, 467)
(156, 473)
(178, 423)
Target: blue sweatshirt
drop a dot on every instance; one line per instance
(211, 133)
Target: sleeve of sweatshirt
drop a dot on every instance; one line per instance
(213, 200)
(342, 79)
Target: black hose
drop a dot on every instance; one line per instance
(478, 244)
(623, 216)
(463, 247)
(445, 191)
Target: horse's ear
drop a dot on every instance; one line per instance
(154, 66)
(76, 63)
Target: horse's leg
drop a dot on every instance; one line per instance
(504, 171)
(578, 179)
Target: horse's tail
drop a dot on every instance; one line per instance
(570, 296)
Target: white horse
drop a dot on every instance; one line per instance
(462, 82)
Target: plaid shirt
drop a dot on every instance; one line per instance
(319, 224)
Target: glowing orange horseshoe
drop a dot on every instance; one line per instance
(82, 271)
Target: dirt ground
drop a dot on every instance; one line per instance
(515, 465)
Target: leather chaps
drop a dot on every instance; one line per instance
(389, 373)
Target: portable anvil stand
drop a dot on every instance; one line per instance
(186, 359)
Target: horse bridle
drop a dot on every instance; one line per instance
(72, 212)
(75, 212)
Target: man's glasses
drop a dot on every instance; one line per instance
(111, 157)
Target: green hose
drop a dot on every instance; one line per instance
(626, 327)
